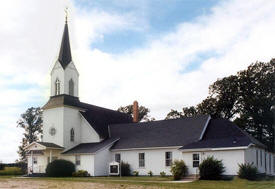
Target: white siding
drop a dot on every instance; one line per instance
(72, 119)
(267, 159)
(53, 118)
(88, 134)
(102, 160)
(86, 162)
(154, 160)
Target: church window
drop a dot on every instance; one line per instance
(72, 135)
(117, 158)
(141, 158)
(257, 158)
(71, 87)
(196, 160)
(168, 159)
(57, 87)
(34, 159)
(77, 160)
(52, 131)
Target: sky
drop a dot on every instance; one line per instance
(164, 54)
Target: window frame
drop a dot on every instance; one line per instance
(71, 87)
(72, 135)
(261, 157)
(117, 155)
(77, 160)
(57, 87)
(257, 158)
(34, 160)
(141, 161)
(195, 160)
(168, 160)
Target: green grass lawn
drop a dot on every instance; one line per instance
(236, 183)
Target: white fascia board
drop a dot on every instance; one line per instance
(205, 127)
(215, 149)
(44, 147)
(149, 148)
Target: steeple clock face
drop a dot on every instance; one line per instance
(52, 131)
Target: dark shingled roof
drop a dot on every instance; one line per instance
(222, 133)
(84, 148)
(99, 118)
(164, 133)
(65, 56)
(49, 145)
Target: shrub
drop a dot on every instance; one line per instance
(60, 168)
(11, 171)
(211, 169)
(2, 166)
(178, 169)
(162, 174)
(81, 173)
(125, 169)
(247, 171)
(135, 173)
(150, 173)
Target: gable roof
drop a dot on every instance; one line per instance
(99, 118)
(49, 145)
(222, 133)
(65, 56)
(85, 148)
(163, 133)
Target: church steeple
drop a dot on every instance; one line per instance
(65, 56)
(64, 75)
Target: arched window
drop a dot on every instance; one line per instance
(71, 87)
(57, 87)
(72, 135)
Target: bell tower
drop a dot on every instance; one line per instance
(64, 75)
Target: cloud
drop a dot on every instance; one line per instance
(171, 70)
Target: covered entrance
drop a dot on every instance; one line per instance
(39, 154)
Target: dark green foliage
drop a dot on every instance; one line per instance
(81, 173)
(31, 122)
(11, 171)
(245, 98)
(179, 169)
(247, 171)
(60, 168)
(2, 166)
(143, 112)
(211, 169)
(135, 173)
(150, 173)
(125, 169)
(162, 174)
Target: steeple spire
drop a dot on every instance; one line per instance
(65, 56)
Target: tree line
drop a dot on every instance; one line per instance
(244, 98)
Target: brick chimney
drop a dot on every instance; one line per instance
(135, 111)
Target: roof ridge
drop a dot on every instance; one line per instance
(161, 120)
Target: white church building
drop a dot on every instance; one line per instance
(92, 137)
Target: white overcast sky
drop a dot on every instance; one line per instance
(164, 54)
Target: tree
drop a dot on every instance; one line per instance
(31, 122)
(143, 114)
(244, 98)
